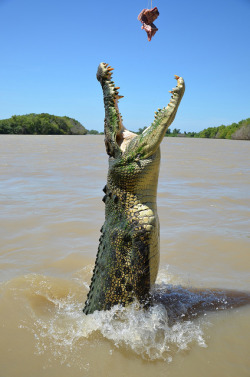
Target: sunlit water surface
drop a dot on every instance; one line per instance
(51, 214)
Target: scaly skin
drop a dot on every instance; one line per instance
(128, 255)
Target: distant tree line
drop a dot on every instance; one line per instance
(46, 124)
(236, 131)
(169, 133)
(41, 124)
(239, 131)
(94, 132)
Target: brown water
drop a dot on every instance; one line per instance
(51, 213)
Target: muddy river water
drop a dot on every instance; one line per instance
(51, 213)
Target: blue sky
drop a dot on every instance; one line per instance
(50, 51)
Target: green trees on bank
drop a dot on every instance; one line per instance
(174, 133)
(94, 132)
(236, 131)
(46, 124)
(239, 131)
(41, 124)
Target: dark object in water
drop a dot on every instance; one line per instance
(186, 303)
(147, 17)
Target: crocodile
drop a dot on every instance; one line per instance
(127, 260)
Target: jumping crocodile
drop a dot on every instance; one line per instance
(127, 261)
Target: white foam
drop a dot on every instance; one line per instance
(147, 333)
(63, 332)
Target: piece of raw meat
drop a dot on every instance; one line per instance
(147, 17)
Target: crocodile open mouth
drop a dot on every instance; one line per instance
(117, 137)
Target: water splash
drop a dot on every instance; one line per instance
(148, 333)
(175, 322)
(64, 332)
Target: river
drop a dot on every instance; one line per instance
(50, 220)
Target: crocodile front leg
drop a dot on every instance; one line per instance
(128, 255)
